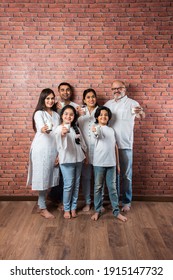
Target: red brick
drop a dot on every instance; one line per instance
(88, 44)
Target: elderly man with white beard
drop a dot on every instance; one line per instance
(124, 110)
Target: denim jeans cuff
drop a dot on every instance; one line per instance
(126, 204)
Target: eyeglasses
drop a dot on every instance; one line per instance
(118, 88)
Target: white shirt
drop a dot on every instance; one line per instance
(123, 120)
(73, 104)
(104, 151)
(85, 124)
(69, 151)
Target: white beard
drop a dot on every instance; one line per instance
(120, 96)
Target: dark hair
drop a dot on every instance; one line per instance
(86, 91)
(65, 84)
(41, 104)
(73, 124)
(101, 108)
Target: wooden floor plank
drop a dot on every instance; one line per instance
(25, 235)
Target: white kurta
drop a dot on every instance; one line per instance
(73, 104)
(85, 123)
(41, 173)
(122, 120)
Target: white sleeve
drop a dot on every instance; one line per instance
(39, 120)
(61, 141)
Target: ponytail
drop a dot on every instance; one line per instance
(76, 129)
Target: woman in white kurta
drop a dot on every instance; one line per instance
(85, 122)
(43, 172)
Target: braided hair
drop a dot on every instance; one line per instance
(73, 124)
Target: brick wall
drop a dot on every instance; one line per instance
(88, 43)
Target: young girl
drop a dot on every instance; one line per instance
(71, 148)
(42, 172)
(104, 162)
(86, 121)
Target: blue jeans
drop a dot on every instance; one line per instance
(100, 174)
(86, 183)
(71, 173)
(126, 162)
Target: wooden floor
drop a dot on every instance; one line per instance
(25, 235)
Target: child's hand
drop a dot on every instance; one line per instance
(64, 131)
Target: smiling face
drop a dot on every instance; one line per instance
(118, 89)
(49, 101)
(90, 100)
(65, 92)
(68, 116)
(103, 118)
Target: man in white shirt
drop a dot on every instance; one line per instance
(65, 91)
(124, 110)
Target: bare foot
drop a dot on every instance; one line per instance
(73, 213)
(67, 215)
(121, 218)
(125, 208)
(95, 216)
(86, 208)
(38, 210)
(46, 214)
(103, 209)
(60, 207)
